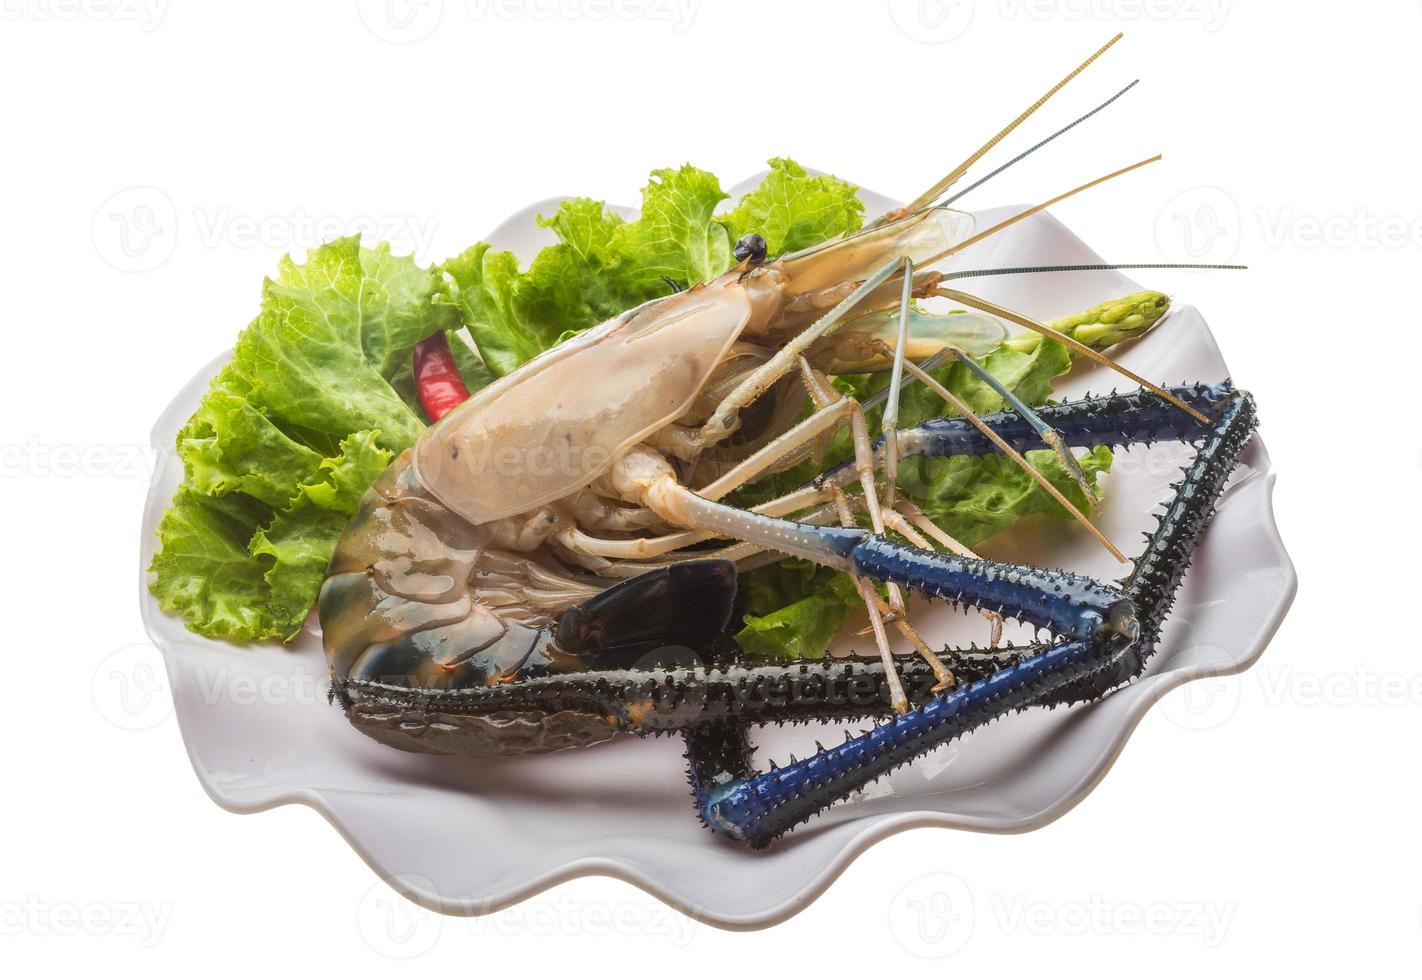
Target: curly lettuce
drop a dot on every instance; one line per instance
(792, 210)
(316, 401)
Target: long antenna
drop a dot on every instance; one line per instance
(1033, 149)
(1097, 267)
(953, 250)
(936, 191)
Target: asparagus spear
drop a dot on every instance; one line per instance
(1100, 327)
(1105, 324)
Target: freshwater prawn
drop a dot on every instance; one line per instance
(546, 543)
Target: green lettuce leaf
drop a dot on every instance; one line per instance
(793, 609)
(204, 570)
(228, 446)
(600, 266)
(792, 210)
(480, 285)
(674, 236)
(603, 265)
(317, 399)
(329, 352)
(300, 540)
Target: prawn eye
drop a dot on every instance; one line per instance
(751, 247)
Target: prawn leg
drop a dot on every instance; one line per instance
(724, 418)
(1058, 601)
(823, 395)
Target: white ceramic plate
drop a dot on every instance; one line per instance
(260, 733)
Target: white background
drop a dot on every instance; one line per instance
(1268, 820)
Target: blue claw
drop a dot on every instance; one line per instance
(1069, 604)
(760, 808)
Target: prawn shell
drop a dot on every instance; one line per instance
(552, 427)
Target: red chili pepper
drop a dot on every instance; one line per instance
(437, 377)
